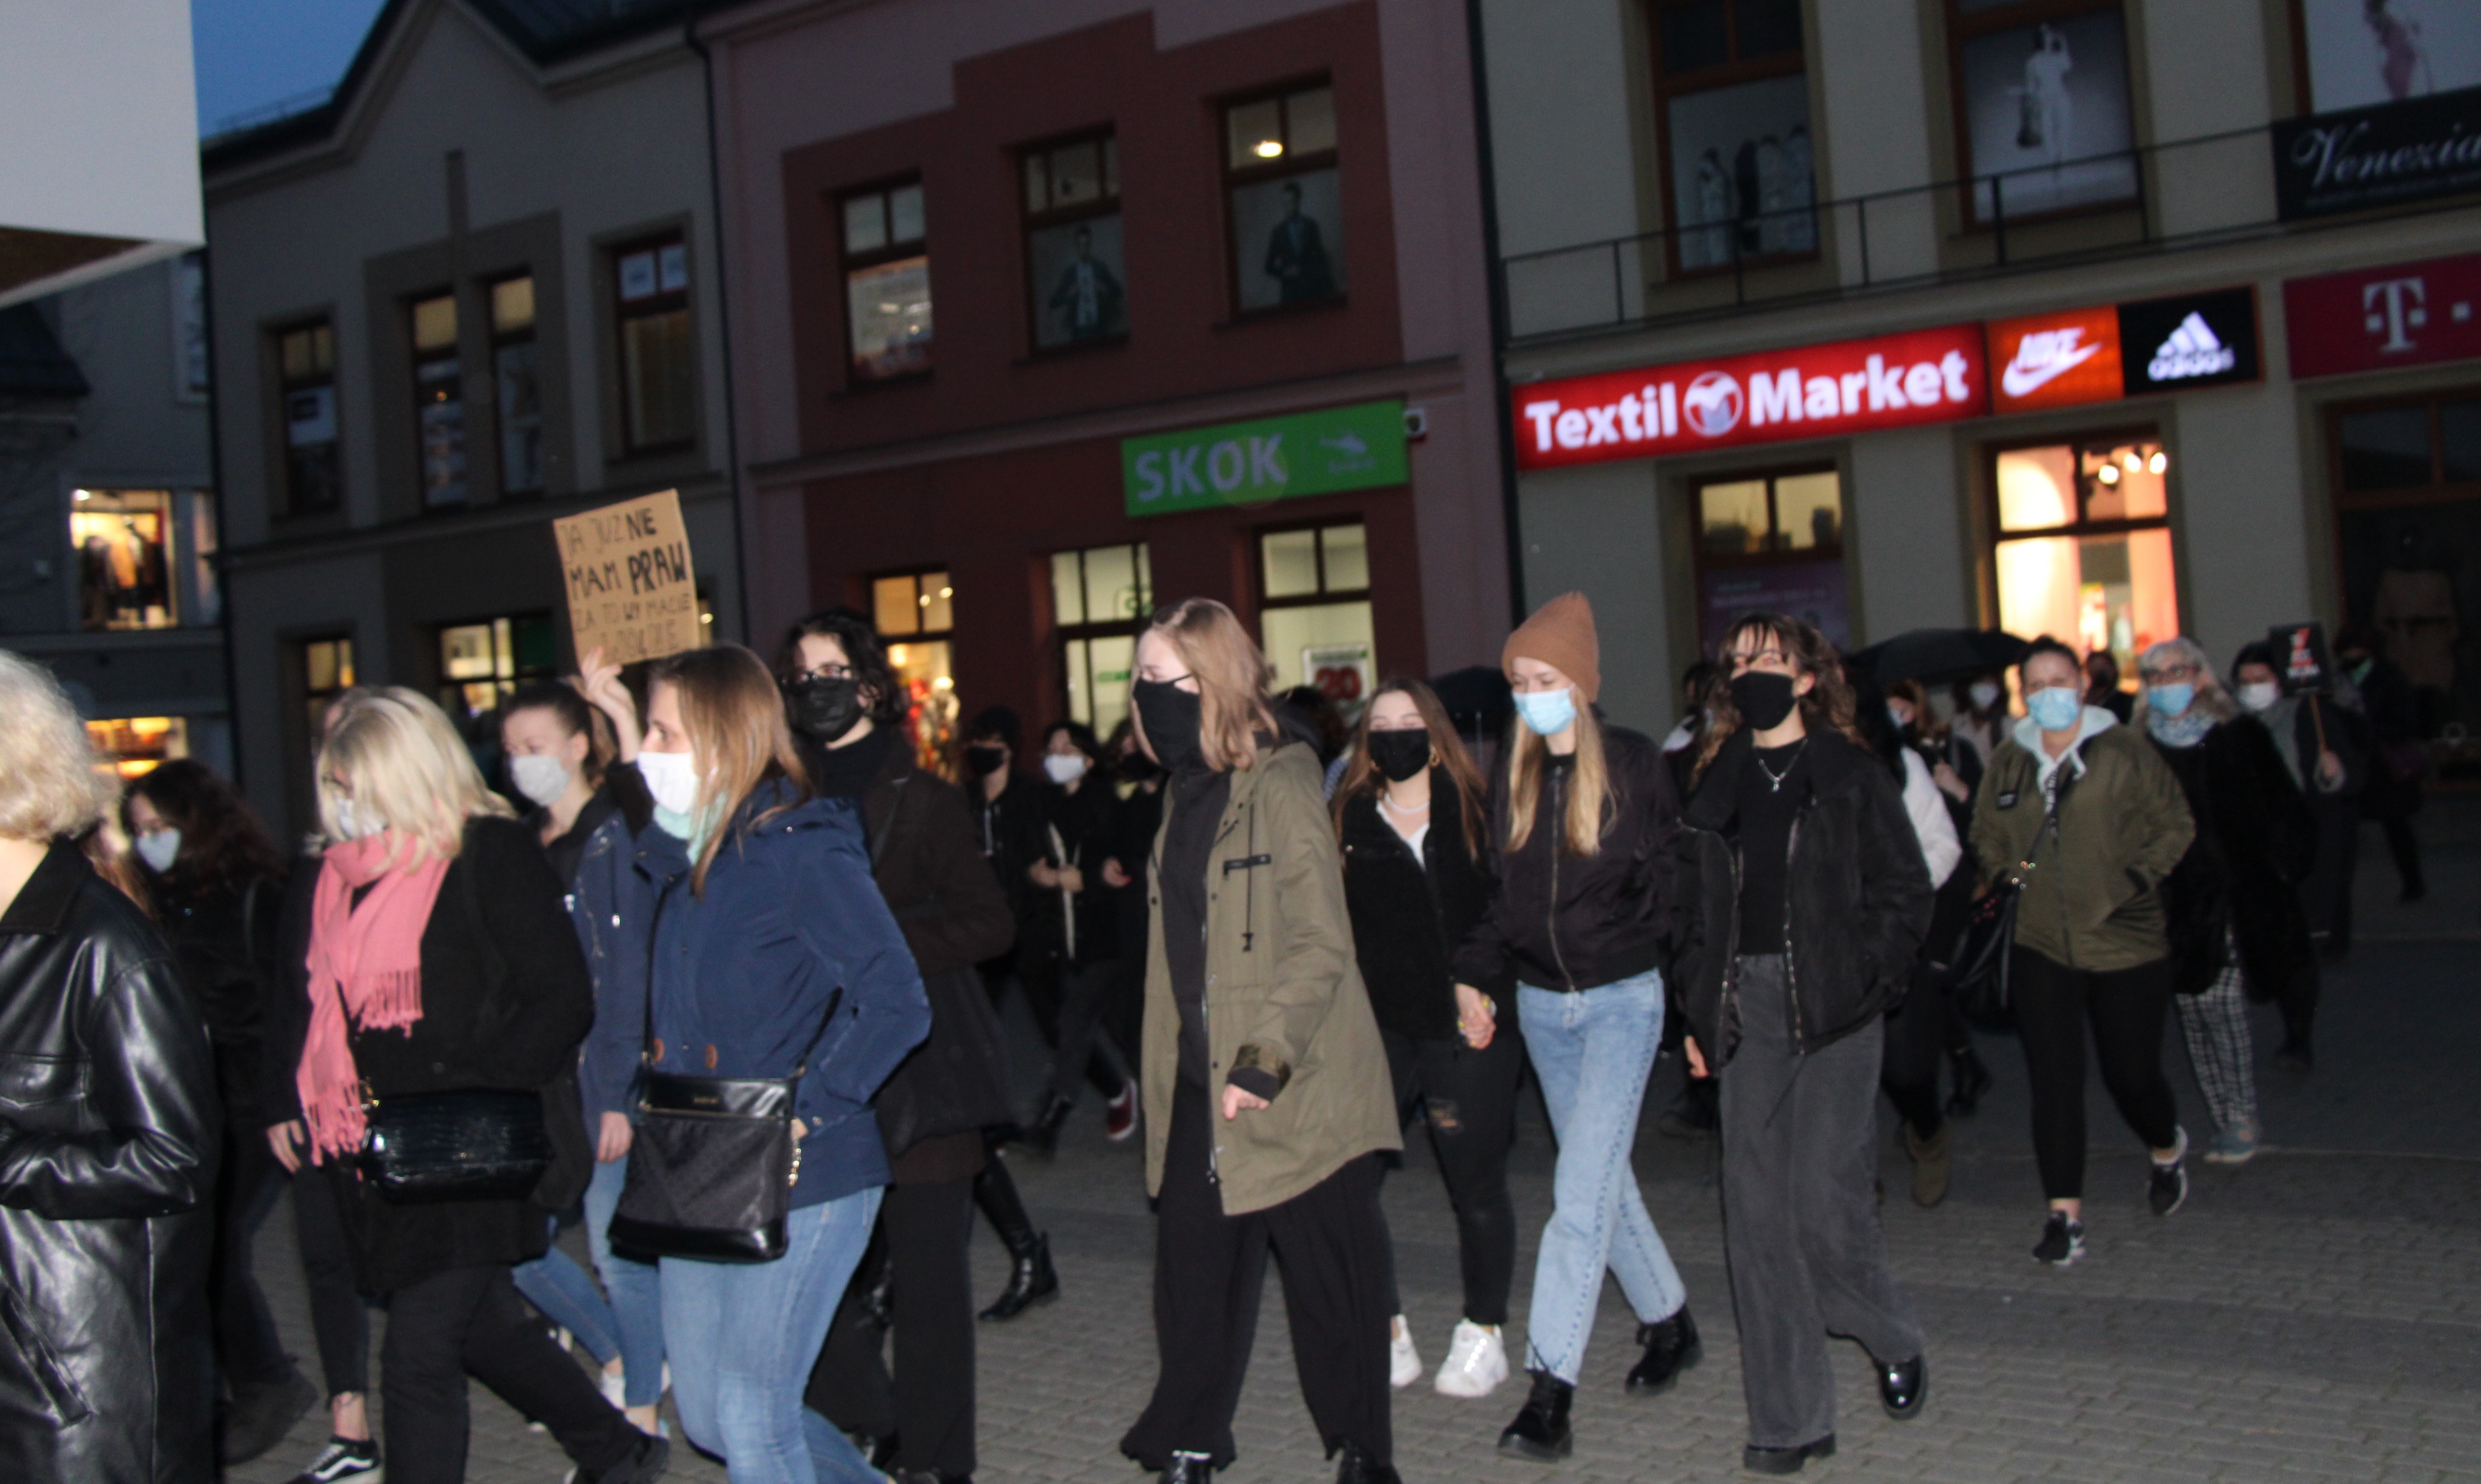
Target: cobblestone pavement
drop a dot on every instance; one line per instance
(2313, 1315)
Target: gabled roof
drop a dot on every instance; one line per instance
(31, 362)
(546, 31)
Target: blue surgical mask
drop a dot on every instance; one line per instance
(1548, 713)
(2171, 700)
(2055, 708)
(159, 848)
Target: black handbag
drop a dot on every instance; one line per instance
(711, 1169)
(476, 1144)
(1979, 977)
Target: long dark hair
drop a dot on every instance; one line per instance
(882, 696)
(1361, 777)
(222, 844)
(1827, 707)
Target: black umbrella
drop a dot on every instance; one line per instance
(1476, 699)
(1940, 654)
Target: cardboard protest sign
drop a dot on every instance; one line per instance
(632, 591)
(2301, 661)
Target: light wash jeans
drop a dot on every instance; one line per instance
(1591, 1052)
(556, 1284)
(635, 1289)
(744, 1335)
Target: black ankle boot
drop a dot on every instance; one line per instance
(1355, 1468)
(1044, 1135)
(1188, 1469)
(1033, 1281)
(1903, 1387)
(1972, 1081)
(1540, 1431)
(1671, 1347)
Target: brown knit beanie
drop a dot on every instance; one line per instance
(1560, 634)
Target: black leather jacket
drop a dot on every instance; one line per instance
(108, 1138)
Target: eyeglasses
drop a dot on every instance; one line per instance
(2184, 670)
(826, 672)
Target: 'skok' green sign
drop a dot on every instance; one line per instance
(1360, 447)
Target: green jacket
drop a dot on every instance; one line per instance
(2092, 894)
(1283, 992)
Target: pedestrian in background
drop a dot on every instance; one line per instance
(1956, 762)
(1980, 721)
(2323, 747)
(2235, 922)
(774, 957)
(440, 959)
(1071, 942)
(216, 883)
(2392, 795)
(1266, 1084)
(108, 1137)
(1803, 896)
(2101, 685)
(1583, 824)
(2086, 815)
(1409, 810)
(1135, 823)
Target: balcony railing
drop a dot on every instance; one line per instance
(2186, 193)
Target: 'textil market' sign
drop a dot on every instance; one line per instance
(1322, 452)
(1930, 376)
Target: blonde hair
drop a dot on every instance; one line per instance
(1589, 794)
(409, 773)
(1231, 679)
(734, 717)
(49, 785)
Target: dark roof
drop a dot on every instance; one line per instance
(546, 31)
(31, 362)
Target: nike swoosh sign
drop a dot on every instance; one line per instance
(2019, 380)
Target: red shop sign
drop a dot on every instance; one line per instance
(2406, 314)
(1929, 375)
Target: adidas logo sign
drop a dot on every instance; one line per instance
(2193, 350)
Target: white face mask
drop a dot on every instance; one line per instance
(1984, 695)
(1063, 768)
(539, 776)
(2261, 695)
(351, 825)
(672, 778)
(159, 849)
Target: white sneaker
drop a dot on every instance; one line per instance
(1403, 1361)
(1477, 1362)
(616, 1387)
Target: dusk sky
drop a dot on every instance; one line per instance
(254, 52)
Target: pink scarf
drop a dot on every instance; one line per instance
(365, 966)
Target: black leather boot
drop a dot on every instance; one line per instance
(1355, 1468)
(1671, 1347)
(1031, 1281)
(1540, 1431)
(1044, 1135)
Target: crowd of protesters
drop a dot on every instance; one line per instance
(1268, 938)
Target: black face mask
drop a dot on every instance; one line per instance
(1400, 754)
(1763, 698)
(982, 762)
(1173, 720)
(824, 709)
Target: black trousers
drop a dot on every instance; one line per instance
(247, 1350)
(1066, 997)
(340, 1317)
(1210, 1269)
(928, 1406)
(2405, 847)
(2126, 1008)
(1468, 1098)
(470, 1321)
(1918, 1036)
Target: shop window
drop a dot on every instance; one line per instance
(1771, 542)
(658, 357)
(440, 400)
(1100, 600)
(2357, 53)
(2042, 105)
(1314, 610)
(132, 746)
(914, 612)
(1285, 197)
(125, 553)
(1077, 270)
(2083, 545)
(1732, 90)
(326, 672)
(483, 663)
(2408, 517)
(518, 391)
(306, 358)
(887, 281)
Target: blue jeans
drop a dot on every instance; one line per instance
(556, 1284)
(743, 1337)
(635, 1289)
(1591, 1052)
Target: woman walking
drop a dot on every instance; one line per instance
(2323, 746)
(1265, 1080)
(217, 884)
(1583, 825)
(1409, 810)
(2088, 816)
(775, 957)
(1803, 900)
(1071, 940)
(2235, 921)
(440, 959)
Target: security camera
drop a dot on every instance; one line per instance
(1417, 424)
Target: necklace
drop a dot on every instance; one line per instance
(1775, 780)
(1389, 800)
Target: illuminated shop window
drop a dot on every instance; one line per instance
(483, 663)
(1101, 598)
(2083, 546)
(1771, 542)
(913, 612)
(1314, 611)
(125, 553)
(129, 746)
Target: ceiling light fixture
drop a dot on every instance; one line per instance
(1270, 148)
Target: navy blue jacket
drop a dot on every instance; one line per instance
(611, 904)
(790, 960)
